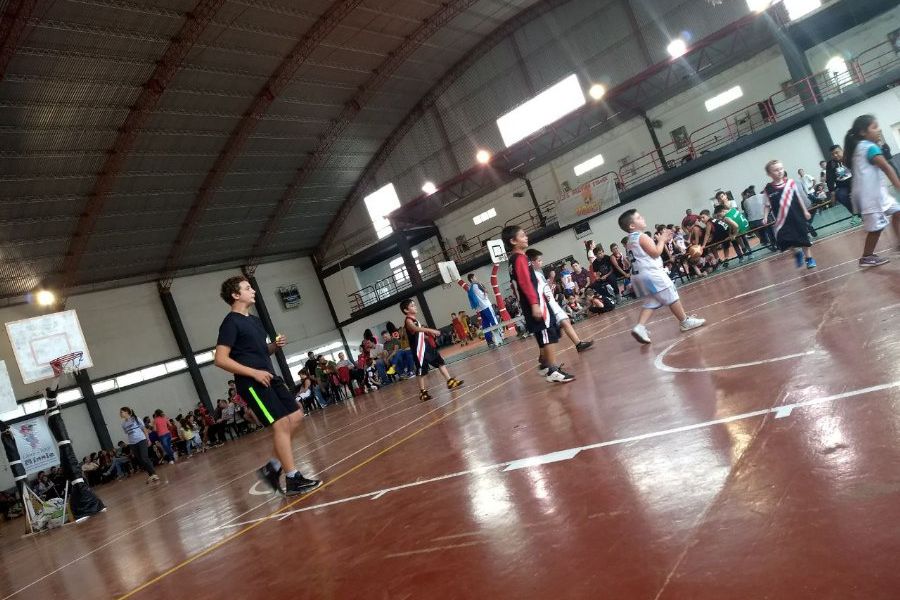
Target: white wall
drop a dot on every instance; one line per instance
(885, 107)
(124, 328)
(338, 286)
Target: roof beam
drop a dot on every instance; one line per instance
(195, 23)
(447, 12)
(277, 82)
(12, 29)
(428, 100)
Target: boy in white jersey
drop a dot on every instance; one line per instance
(648, 277)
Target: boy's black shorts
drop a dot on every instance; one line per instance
(544, 334)
(432, 358)
(268, 403)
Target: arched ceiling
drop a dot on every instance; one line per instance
(142, 139)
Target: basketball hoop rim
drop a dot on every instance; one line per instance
(67, 363)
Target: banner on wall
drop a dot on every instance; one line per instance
(37, 447)
(587, 200)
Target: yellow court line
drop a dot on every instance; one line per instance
(237, 534)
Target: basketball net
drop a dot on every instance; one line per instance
(67, 364)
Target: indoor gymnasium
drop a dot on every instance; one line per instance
(450, 299)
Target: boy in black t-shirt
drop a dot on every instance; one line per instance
(242, 350)
(424, 346)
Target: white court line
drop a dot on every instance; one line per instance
(571, 452)
(603, 324)
(659, 361)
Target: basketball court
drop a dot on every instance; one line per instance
(753, 458)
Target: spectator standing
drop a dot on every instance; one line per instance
(136, 435)
(161, 425)
(480, 301)
(839, 180)
(757, 209)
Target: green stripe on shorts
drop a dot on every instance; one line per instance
(262, 406)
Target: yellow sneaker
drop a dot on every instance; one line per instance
(392, 371)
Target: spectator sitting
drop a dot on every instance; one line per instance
(43, 487)
(372, 381)
(595, 303)
(573, 308)
(305, 396)
(580, 276)
(401, 361)
(622, 268)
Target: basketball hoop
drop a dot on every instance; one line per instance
(67, 363)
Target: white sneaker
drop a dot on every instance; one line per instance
(641, 334)
(559, 376)
(692, 322)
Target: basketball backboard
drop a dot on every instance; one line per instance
(38, 340)
(7, 396)
(497, 251)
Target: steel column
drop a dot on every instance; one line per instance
(93, 407)
(330, 305)
(414, 276)
(184, 345)
(800, 69)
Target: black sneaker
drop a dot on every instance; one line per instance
(270, 477)
(582, 346)
(298, 484)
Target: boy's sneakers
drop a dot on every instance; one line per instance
(392, 371)
(270, 477)
(452, 383)
(873, 260)
(798, 258)
(641, 334)
(153, 478)
(559, 376)
(692, 322)
(298, 484)
(424, 395)
(810, 263)
(582, 346)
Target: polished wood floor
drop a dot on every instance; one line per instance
(754, 458)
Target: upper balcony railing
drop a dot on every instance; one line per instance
(792, 99)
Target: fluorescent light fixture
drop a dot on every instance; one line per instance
(483, 157)
(429, 188)
(550, 105)
(589, 165)
(759, 5)
(677, 47)
(800, 8)
(724, 98)
(597, 91)
(381, 203)
(488, 214)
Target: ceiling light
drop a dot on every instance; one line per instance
(45, 298)
(801, 8)
(597, 91)
(429, 188)
(724, 98)
(677, 47)
(483, 157)
(588, 165)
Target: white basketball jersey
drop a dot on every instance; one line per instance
(647, 273)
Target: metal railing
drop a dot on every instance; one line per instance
(790, 100)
